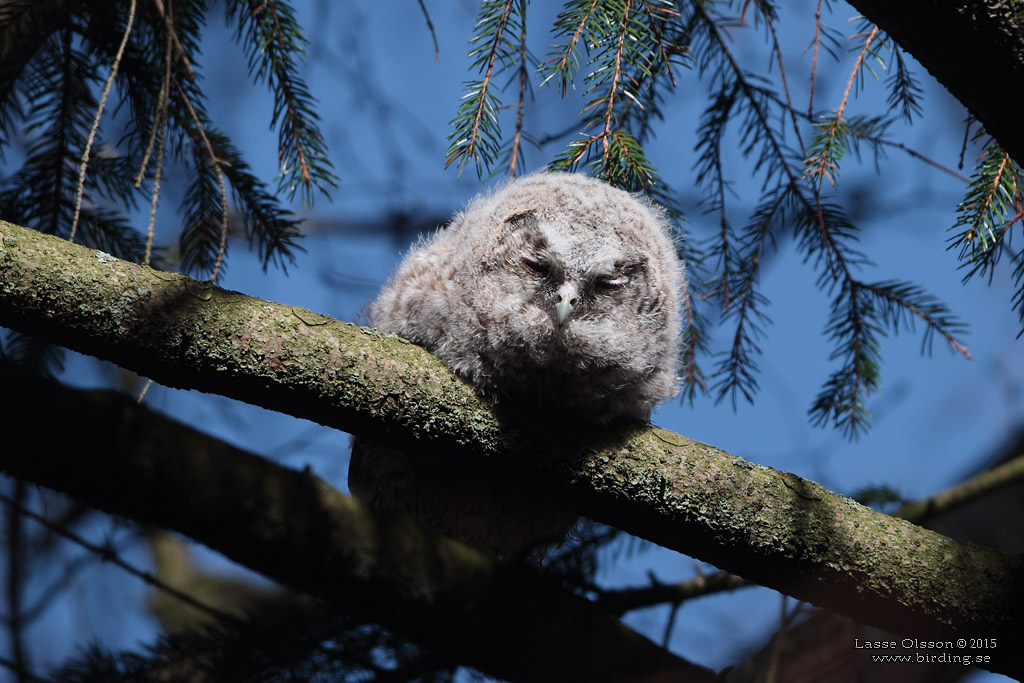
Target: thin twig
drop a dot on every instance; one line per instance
(142, 392)
(109, 555)
(96, 121)
(161, 112)
(776, 48)
(814, 59)
(615, 84)
(16, 558)
(159, 138)
(622, 600)
(433, 33)
(169, 22)
(967, 137)
(151, 228)
(517, 137)
(914, 153)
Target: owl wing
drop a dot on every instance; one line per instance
(418, 301)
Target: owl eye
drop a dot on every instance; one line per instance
(609, 284)
(536, 266)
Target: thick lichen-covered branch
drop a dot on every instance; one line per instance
(767, 526)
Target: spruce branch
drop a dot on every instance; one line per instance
(204, 153)
(60, 67)
(842, 400)
(273, 41)
(828, 144)
(694, 344)
(905, 91)
(740, 262)
(564, 60)
(987, 211)
(476, 132)
(59, 84)
(791, 199)
(632, 49)
(901, 304)
(993, 204)
(25, 28)
(616, 75)
(861, 313)
(179, 49)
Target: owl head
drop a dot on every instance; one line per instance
(556, 292)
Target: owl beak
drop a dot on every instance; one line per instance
(567, 299)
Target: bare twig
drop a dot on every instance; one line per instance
(182, 56)
(158, 138)
(96, 120)
(433, 33)
(108, 555)
(814, 59)
(609, 108)
(517, 137)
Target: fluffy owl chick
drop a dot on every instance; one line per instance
(556, 291)
(556, 295)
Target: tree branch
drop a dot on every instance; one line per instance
(293, 527)
(767, 526)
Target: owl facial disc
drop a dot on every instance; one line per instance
(567, 299)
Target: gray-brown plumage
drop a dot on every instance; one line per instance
(557, 295)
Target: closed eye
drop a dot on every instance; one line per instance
(536, 266)
(608, 284)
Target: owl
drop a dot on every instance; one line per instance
(556, 296)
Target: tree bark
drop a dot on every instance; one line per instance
(973, 47)
(767, 526)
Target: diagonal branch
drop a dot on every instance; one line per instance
(767, 526)
(293, 527)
